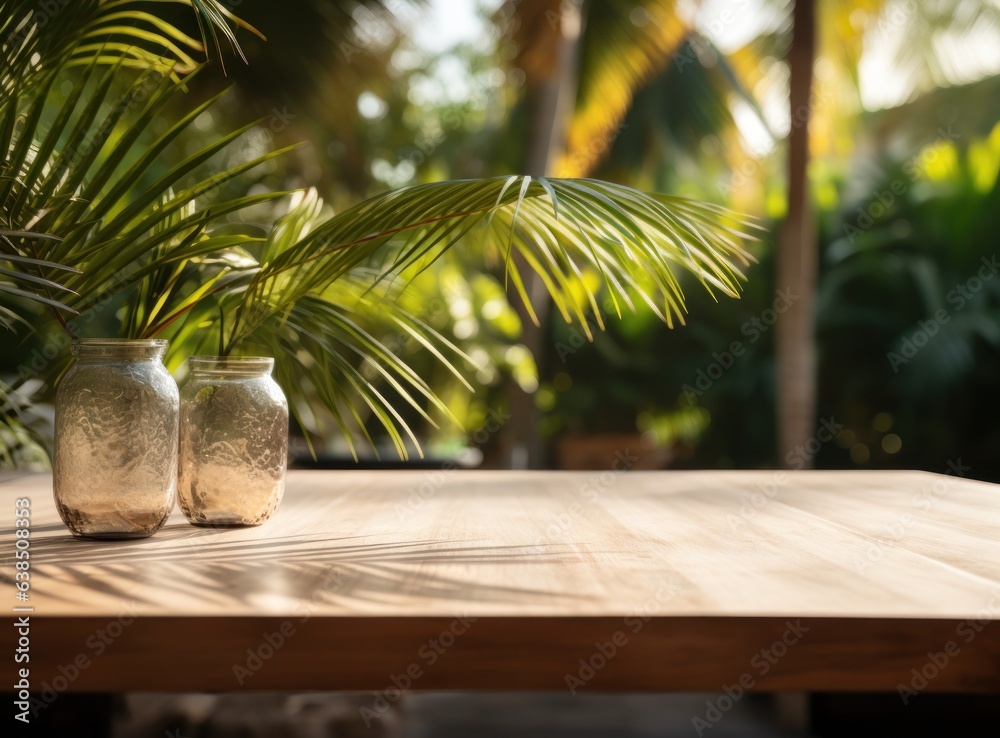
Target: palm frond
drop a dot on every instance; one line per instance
(40, 37)
(26, 284)
(307, 300)
(336, 349)
(61, 150)
(123, 221)
(636, 242)
(335, 343)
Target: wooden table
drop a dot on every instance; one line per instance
(548, 580)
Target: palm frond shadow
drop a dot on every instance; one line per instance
(234, 574)
(35, 529)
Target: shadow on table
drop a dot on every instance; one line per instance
(219, 570)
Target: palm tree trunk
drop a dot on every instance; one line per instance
(552, 105)
(797, 253)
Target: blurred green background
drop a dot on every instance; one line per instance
(683, 97)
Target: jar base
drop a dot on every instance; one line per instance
(112, 536)
(225, 525)
(224, 521)
(111, 524)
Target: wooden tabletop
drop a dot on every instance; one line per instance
(533, 580)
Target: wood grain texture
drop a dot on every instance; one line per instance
(507, 579)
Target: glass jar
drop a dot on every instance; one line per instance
(234, 441)
(114, 465)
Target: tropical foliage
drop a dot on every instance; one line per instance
(101, 207)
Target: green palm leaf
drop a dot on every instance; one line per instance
(304, 303)
(121, 220)
(635, 241)
(41, 37)
(27, 284)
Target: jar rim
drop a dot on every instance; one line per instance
(232, 365)
(143, 342)
(118, 348)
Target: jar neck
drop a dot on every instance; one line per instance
(231, 366)
(118, 349)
